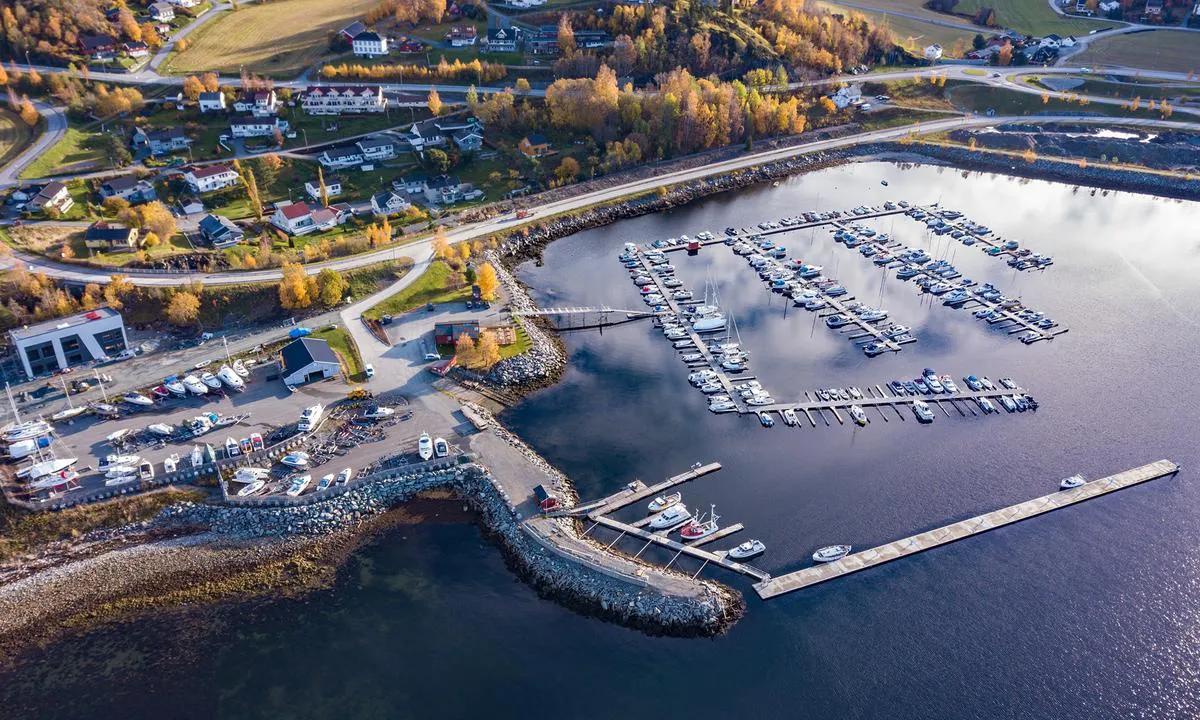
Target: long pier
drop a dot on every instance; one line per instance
(625, 498)
(977, 525)
(884, 399)
(683, 549)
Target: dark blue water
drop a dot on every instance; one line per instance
(1089, 612)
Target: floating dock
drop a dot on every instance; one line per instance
(627, 497)
(681, 549)
(979, 524)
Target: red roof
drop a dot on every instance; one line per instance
(210, 170)
(295, 210)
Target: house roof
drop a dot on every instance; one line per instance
(41, 328)
(210, 97)
(121, 183)
(383, 198)
(300, 353)
(502, 34)
(49, 190)
(443, 181)
(367, 36)
(104, 231)
(343, 151)
(323, 215)
(254, 121)
(537, 139)
(217, 225)
(374, 142)
(295, 210)
(95, 42)
(346, 90)
(354, 28)
(329, 182)
(209, 171)
(165, 134)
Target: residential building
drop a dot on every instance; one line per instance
(333, 188)
(369, 44)
(388, 203)
(535, 146)
(136, 49)
(258, 104)
(185, 3)
(160, 142)
(102, 235)
(208, 178)
(250, 126)
(468, 140)
(462, 36)
(98, 47)
(301, 218)
(847, 96)
(307, 360)
(444, 189)
(1154, 8)
(352, 30)
(544, 40)
(377, 148)
(54, 345)
(503, 39)
(411, 184)
(437, 132)
(212, 102)
(53, 196)
(127, 187)
(343, 99)
(448, 333)
(340, 157)
(220, 232)
(162, 11)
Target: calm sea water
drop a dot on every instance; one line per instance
(1089, 612)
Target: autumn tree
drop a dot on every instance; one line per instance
(296, 289)
(465, 350)
(485, 278)
(211, 82)
(434, 103)
(118, 288)
(28, 113)
(566, 36)
(150, 241)
(487, 350)
(321, 185)
(567, 170)
(192, 87)
(183, 309)
(522, 85)
(153, 217)
(252, 194)
(331, 287)
(441, 248)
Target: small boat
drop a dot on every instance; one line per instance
(250, 474)
(310, 417)
(104, 409)
(118, 437)
(860, 417)
(194, 386)
(199, 425)
(240, 368)
(698, 530)
(68, 414)
(722, 407)
(251, 487)
(245, 446)
(299, 484)
(170, 463)
(378, 412)
(766, 419)
(672, 517)
(326, 482)
(298, 459)
(747, 550)
(831, 553)
(790, 418)
(985, 405)
(441, 448)
(227, 376)
(161, 429)
(227, 420)
(232, 447)
(160, 391)
(425, 446)
(44, 468)
(1072, 482)
(120, 479)
(26, 431)
(922, 411)
(883, 183)
(196, 458)
(120, 471)
(174, 386)
(110, 461)
(136, 398)
(1008, 403)
(145, 470)
(662, 502)
(210, 380)
(345, 476)
(709, 323)
(256, 441)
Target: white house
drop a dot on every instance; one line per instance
(377, 148)
(333, 188)
(212, 102)
(369, 44)
(210, 177)
(388, 203)
(258, 104)
(162, 12)
(185, 3)
(933, 52)
(53, 196)
(301, 218)
(307, 360)
(847, 96)
(1109, 5)
(251, 126)
(343, 99)
(437, 132)
(341, 157)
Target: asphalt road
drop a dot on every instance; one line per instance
(56, 127)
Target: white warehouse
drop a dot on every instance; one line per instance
(61, 343)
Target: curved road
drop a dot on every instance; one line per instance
(56, 127)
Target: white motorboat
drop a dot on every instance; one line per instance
(760, 400)
(326, 482)
(790, 417)
(45, 468)
(701, 528)
(193, 385)
(425, 446)
(733, 365)
(136, 398)
(68, 414)
(747, 550)
(171, 463)
(831, 553)
(299, 483)
(199, 425)
(441, 448)
(120, 479)
(26, 431)
(1008, 403)
(110, 461)
(709, 323)
(671, 518)
(345, 476)
(145, 470)
(985, 405)
(711, 387)
(250, 474)
(860, 417)
(922, 411)
(251, 488)
(310, 417)
(210, 380)
(240, 368)
(227, 375)
(161, 429)
(119, 471)
(722, 407)
(298, 459)
(174, 386)
(691, 357)
(1072, 482)
(232, 447)
(196, 458)
(378, 412)
(662, 502)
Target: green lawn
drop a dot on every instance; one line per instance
(429, 288)
(522, 345)
(980, 98)
(78, 150)
(1128, 91)
(178, 244)
(912, 33)
(1031, 16)
(344, 346)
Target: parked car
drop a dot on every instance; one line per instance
(369, 369)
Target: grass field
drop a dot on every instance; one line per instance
(429, 288)
(1031, 16)
(15, 135)
(1128, 91)
(344, 346)
(76, 152)
(980, 98)
(278, 38)
(1158, 50)
(910, 32)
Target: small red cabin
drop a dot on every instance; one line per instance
(545, 500)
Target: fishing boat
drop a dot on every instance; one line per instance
(171, 463)
(240, 368)
(68, 414)
(136, 398)
(256, 441)
(232, 447)
(670, 518)
(922, 411)
(860, 417)
(298, 459)
(145, 470)
(345, 476)
(227, 376)
(325, 482)
(110, 461)
(299, 483)
(44, 468)
(831, 553)
(747, 550)
(245, 446)
(700, 529)
(194, 386)
(160, 392)
(251, 487)
(1072, 482)
(425, 446)
(662, 502)
(175, 386)
(310, 417)
(26, 430)
(441, 448)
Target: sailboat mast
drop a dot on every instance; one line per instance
(101, 383)
(63, 380)
(12, 403)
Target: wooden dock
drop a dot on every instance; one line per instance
(884, 399)
(956, 531)
(624, 498)
(682, 549)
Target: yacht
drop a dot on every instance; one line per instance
(733, 365)
(193, 385)
(45, 468)
(326, 482)
(873, 315)
(299, 483)
(760, 399)
(699, 378)
(922, 411)
(240, 368)
(210, 380)
(662, 502)
(250, 474)
(425, 446)
(837, 321)
(310, 417)
(378, 412)
(973, 383)
(120, 471)
(1008, 403)
(298, 459)
(766, 419)
(935, 385)
(831, 553)
(345, 476)
(722, 407)
(691, 357)
(199, 425)
(68, 413)
(711, 387)
(874, 348)
(1072, 482)
(949, 384)
(174, 386)
(860, 417)
(789, 417)
(986, 384)
(251, 487)
(136, 398)
(441, 448)
(700, 529)
(709, 323)
(985, 405)
(1008, 383)
(671, 518)
(1020, 402)
(109, 462)
(230, 377)
(747, 550)
(922, 388)
(26, 431)
(104, 409)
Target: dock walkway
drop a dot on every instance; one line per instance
(625, 498)
(956, 531)
(681, 548)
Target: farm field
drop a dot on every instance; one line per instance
(1158, 50)
(1033, 17)
(278, 39)
(15, 135)
(906, 29)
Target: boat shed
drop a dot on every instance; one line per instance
(307, 360)
(545, 499)
(449, 333)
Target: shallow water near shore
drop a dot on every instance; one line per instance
(1088, 612)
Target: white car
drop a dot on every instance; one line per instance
(370, 370)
